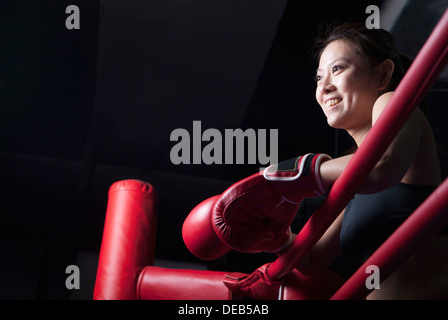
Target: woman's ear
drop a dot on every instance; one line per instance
(385, 70)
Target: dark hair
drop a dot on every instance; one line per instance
(377, 45)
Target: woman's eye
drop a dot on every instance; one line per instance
(337, 68)
(317, 78)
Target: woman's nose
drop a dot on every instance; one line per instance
(326, 86)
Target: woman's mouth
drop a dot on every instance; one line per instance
(330, 104)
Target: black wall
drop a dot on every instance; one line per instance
(81, 109)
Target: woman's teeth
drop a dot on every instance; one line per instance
(332, 102)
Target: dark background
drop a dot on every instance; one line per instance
(81, 109)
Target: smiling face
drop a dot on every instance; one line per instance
(346, 87)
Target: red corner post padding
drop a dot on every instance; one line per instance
(129, 238)
(157, 283)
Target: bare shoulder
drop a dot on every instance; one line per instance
(380, 105)
(417, 118)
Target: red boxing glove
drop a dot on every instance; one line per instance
(254, 215)
(199, 235)
(256, 285)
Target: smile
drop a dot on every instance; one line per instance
(332, 102)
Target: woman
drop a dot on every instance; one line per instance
(358, 71)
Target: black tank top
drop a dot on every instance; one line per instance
(369, 219)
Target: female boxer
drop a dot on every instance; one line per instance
(358, 69)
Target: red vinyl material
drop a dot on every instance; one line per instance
(157, 283)
(128, 242)
(125, 270)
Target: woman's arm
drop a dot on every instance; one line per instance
(326, 250)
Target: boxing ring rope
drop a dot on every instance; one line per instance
(421, 75)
